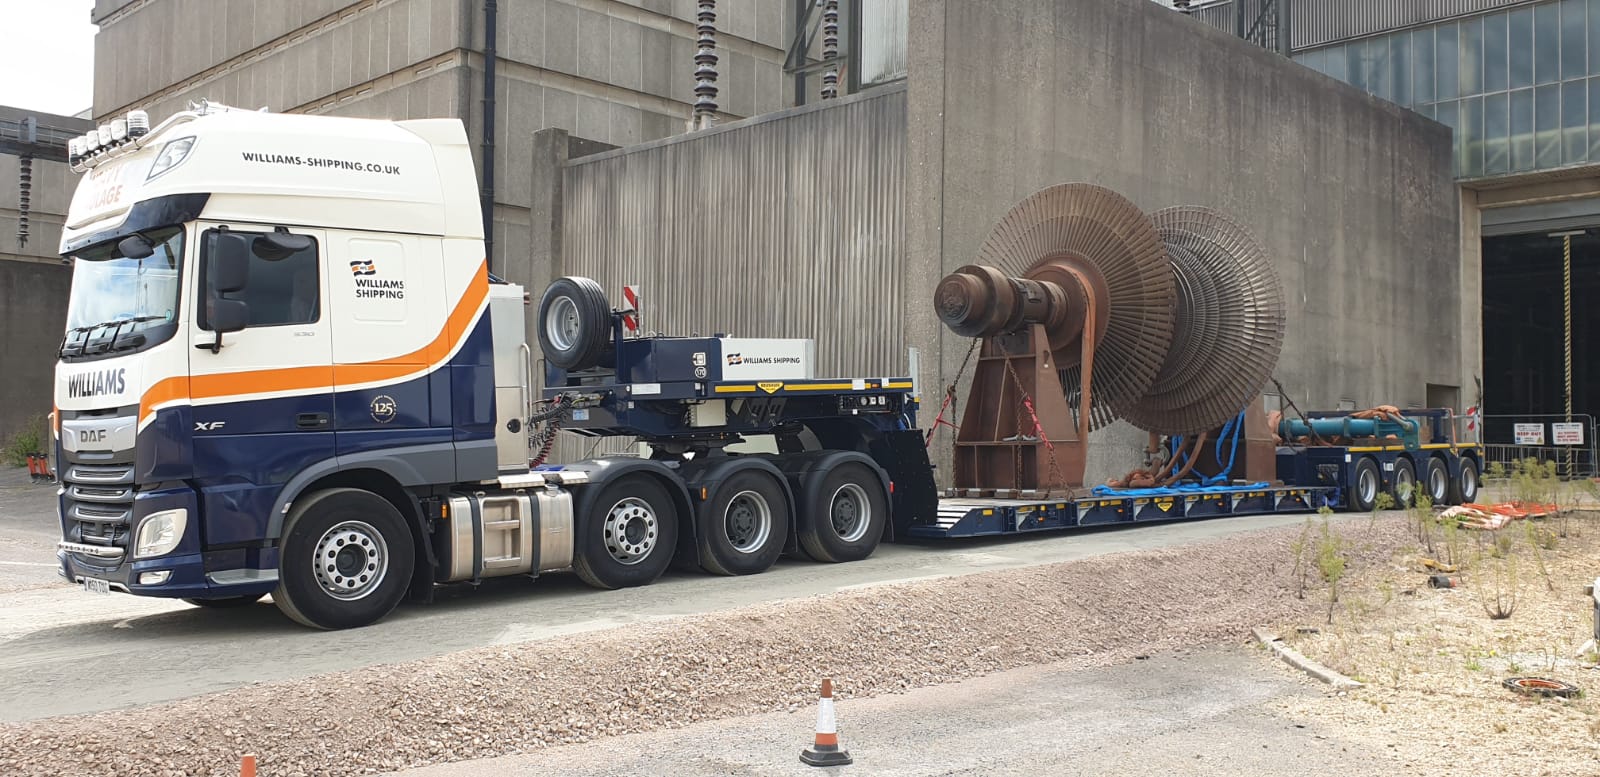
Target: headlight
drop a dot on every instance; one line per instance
(160, 532)
(172, 155)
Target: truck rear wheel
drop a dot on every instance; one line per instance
(1404, 485)
(1464, 489)
(1364, 491)
(743, 527)
(843, 514)
(628, 536)
(1437, 481)
(345, 559)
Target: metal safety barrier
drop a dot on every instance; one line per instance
(1547, 437)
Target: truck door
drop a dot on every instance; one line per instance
(388, 307)
(262, 397)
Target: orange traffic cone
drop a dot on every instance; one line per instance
(247, 767)
(825, 750)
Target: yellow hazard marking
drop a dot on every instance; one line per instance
(904, 384)
(815, 386)
(735, 389)
(988, 512)
(771, 386)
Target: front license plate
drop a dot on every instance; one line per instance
(95, 585)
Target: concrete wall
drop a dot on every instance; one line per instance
(1352, 195)
(33, 314)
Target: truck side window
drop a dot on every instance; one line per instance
(283, 289)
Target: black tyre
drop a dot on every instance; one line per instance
(226, 604)
(843, 514)
(1464, 488)
(1403, 486)
(574, 324)
(1365, 486)
(742, 528)
(1436, 482)
(627, 536)
(346, 559)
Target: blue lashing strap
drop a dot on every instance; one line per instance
(1178, 490)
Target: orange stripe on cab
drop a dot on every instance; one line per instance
(320, 377)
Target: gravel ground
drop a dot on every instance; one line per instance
(1433, 659)
(872, 641)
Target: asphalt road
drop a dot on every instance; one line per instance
(1206, 713)
(64, 651)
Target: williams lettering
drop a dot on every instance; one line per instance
(96, 384)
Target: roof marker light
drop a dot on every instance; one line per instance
(138, 124)
(105, 135)
(119, 130)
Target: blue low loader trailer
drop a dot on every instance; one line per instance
(847, 465)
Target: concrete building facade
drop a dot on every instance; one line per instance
(1008, 97)
(33, 279)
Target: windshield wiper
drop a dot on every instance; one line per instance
(115, 341)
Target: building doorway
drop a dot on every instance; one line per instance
(1524, 349)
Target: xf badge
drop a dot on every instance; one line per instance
(209, 426)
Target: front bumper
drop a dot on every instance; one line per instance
(191, 572)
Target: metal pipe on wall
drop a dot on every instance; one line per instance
(490, 24)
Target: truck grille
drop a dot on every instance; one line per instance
(98, 505)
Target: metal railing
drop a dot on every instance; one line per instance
(1503, 445)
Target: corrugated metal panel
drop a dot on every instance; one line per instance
(1320, 22)
(789, 225)
(883, 40)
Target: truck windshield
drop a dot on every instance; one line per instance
(114, 297)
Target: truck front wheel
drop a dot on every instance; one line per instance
(628, 536)
(345, 559)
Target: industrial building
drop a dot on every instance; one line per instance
(1518, 82)
(780, 213)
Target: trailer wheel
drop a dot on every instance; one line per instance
(227, 603)
(574, 324)
(1464, 489)
(1438, 481)
(1364, 492)
(843, 515)
(744, 526)
(346, 559)
(628, 535)
(1404, 486)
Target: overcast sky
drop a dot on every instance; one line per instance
(47, 55)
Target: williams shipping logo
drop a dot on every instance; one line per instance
(734, 358)
(97, 384)
(369, 286)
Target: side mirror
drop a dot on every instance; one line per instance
(135, 247)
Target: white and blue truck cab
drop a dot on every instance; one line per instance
(288, 371)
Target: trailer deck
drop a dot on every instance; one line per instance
(985, 517)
